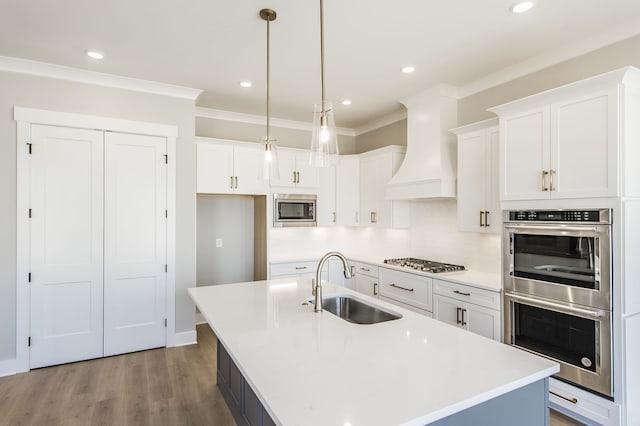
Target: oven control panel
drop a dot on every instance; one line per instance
(587, 216)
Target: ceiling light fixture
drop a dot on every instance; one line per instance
(521, 7)
(246, 83)
(408, 69)
(270, 164)
(346, 102)
(324, 141)
(93, 54)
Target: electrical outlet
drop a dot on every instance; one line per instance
(218, 242)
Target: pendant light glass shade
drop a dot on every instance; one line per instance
(324, 142)
(270, 169)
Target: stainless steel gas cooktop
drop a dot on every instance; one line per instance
(424, 265)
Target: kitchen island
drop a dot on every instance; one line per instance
(279, 362)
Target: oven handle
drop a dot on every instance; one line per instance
(551, 228)
(557, 306)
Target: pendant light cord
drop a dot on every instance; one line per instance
(268, 87)
(322, 52)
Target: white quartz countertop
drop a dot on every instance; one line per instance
(316, 369)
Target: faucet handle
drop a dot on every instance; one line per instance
(313, 286)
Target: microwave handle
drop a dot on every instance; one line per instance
(557, 306)
(550, 228)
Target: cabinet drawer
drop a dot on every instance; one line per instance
(464, 293)
(407, 307)
(572, 401)
(411, 289)
(293, 268)
(367, 269)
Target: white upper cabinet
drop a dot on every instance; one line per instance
(348, 190)
(228, 167)
(326, 203)
(295, 170)
(376, 169)
(478, 200)
(566, 143)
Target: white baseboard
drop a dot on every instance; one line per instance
(185, 338)
(8, 367)
(200, 319)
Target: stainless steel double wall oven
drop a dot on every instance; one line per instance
(558, 286)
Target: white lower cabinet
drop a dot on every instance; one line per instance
(365, 278)
(470, 308)
(408, 288)
(583, 405)
(286, 269)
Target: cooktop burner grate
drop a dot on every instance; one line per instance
(424, 265)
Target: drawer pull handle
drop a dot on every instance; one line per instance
(366, 269)
(571, 400)
(401, 288)
(301, 267)
(463, 293)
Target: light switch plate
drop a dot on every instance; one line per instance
(218, 242)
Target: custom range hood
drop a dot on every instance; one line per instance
(429, 167)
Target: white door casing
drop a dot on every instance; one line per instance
(135, 243)
(66, 268)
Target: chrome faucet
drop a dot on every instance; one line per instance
(317, 283)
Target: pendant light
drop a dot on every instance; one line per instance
(324, 142)
(270, 168)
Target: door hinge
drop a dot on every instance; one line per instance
(166, 267)
(29, 341)
(29, 213)
(29, 145)
(29, 276)
(166, 159)
(165, 323)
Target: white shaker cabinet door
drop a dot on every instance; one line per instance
(135, 243)
(524, 156)
(326, 203)
(348, 190)
(66, 245)
(248, 170)
(214, 169)
(472, 183)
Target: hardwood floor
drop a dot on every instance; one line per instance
(171, 386)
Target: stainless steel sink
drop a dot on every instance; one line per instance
(356, 311)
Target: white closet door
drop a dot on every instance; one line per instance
(66, 245)
(135, 243)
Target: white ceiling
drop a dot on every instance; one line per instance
(212, 45)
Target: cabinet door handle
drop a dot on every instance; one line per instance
(551, 173)
(334, 217)
(462, 293)
(463, 321)
(400, 287)
(373, 217)
(235, 179)
(375, 289)
(571, 400)
(481, 218)
(486, 219)
(301, 267)
(458, 312)
(294, 177)
(544, 180)
(357, 217)
(231, 182)
(297, 177)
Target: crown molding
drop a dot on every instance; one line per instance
(218, 114)
(42, 69)
(550, 58)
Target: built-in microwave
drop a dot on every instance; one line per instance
(294, 210)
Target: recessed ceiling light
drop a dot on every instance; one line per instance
(246, 83)
(94, 54)
(346, 102)
(408, 69)
(522, 7)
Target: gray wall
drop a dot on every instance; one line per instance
(391, 134)
(57, 95)
(214, 128)
(618, 55)
(229, 218)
